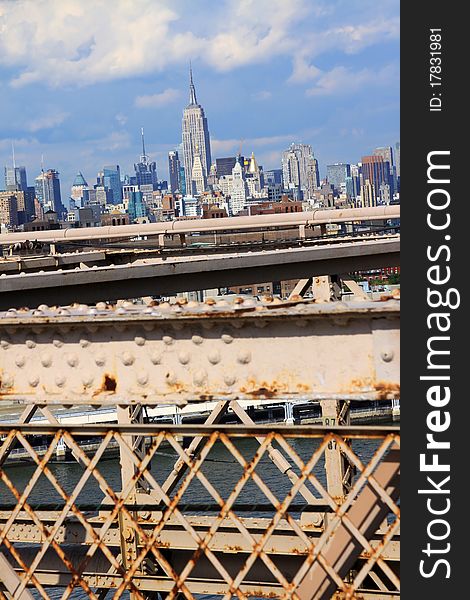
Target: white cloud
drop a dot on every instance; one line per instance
(47, 121)
(341, 80)
(121, 119)
(81, 42)
(157, 100)
(263, 95)
(116, 140)
(303, 71)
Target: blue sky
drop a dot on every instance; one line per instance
(79, 78)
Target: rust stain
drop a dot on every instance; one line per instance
(261, 594)
(206, 397)
(387, 389)
(263, 388)
(297, 551)
(233, 548)
(108, 384)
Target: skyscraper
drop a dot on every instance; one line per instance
(47, 187)
(198, 174)
(174, 171)
(145, 170)
(15, 178)
(376, 170)
(386, 153)
(238, 188)
(225, 165)
(112, 181)
(76, 192)
(300, 169)
(195, 134)
(337, 174)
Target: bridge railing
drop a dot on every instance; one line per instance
(247, 510)
(223, 520)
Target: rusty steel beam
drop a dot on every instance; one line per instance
(305, 219)
(343, 549)
(200, 352)
(168, 276)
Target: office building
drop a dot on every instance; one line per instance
(376, 170)
(15, 178)
(112, 181)
(174, 169)
(78, 186)
(195, 135)
(300, 170)
(145, 169)
(47, 189)
(337, 175)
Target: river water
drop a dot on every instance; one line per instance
(220, 468)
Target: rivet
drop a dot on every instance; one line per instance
(168, 340)
(87, 380)
(214, 357)
(33, 380)
(227, 338)
(197, 339)
(84, 343)
(60, 381)
(20, 361)
(100, 360)
(142, 378)
(30, 343)
(72, 360)
(171, 377)
(155, 358)
(184, 358)
(230, 379)
(7, 381)
(4, 344)
(127, 359)
(139, 340)
(244, 357)
(199, 377)
(387, 355)
(46, 359)
(58, 342)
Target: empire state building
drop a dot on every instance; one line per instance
(196, 140)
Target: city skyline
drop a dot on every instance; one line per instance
(341, 97)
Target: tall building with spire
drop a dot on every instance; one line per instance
(195, 135)
(145, 169)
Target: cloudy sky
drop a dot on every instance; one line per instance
(78, 78)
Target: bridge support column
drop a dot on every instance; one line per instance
(128, 537)
(326, 288)
(338, 470)
(289, 413)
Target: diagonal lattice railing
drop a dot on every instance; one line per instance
(231, 524)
